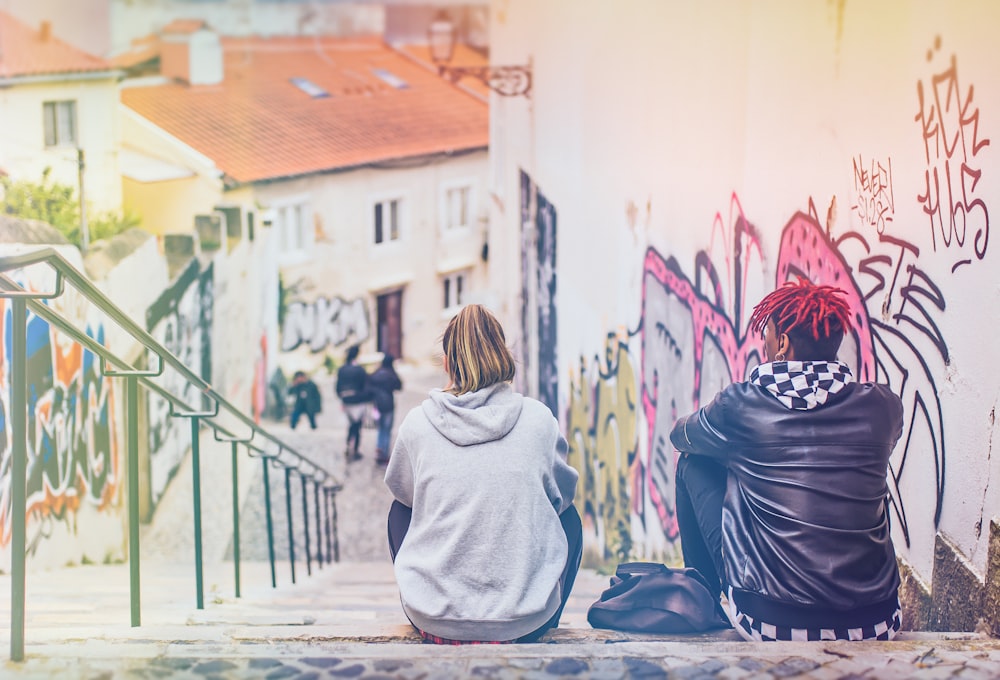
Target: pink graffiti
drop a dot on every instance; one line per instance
(805, 250)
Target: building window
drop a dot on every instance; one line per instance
(293, 226)
(457, 207)
(454, 290)
(60, 123)
(387, 220)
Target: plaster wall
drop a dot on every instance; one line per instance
(697, 155)
(340, 265)
(23, 153)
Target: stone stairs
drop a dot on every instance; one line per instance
(345, 620)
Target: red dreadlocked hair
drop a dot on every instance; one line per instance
(803, 306)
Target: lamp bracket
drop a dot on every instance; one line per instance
(506, 81)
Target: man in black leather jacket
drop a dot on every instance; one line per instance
(781, 483)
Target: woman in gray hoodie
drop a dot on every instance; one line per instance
(484, 537)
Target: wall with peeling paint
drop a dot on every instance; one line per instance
(699, 154)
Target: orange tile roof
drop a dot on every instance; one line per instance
(257, 125)
(24, 52)
(142, 50)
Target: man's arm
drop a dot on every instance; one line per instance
(700, 433)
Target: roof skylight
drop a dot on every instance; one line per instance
(309, 87)
(391, 78)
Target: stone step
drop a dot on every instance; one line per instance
(345, 621)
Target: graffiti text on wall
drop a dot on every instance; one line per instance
(875, 205)
(323, 323)
(181, 320)
(601, 427)
(949, 123)
(71, 448)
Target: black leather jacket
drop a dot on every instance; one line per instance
(805, 523)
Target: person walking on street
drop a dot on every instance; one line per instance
(782, 498)
(483, 534)
(352, 389)
(382, 383)
(307, 399)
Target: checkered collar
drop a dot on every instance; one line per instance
(802, 385)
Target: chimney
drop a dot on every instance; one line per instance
(191, 52)
(45, 31)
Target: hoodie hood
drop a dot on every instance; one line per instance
(802, 385)
(474, 417)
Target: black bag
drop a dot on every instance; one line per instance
(648, 597)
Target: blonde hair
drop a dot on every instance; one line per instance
(476, 351)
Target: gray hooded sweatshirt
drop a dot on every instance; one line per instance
(486, 477)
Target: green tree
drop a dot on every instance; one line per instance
(57, 204)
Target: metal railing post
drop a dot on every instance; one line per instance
(18, 474)
(234, 441)
(236, 524)
(132, 438)
(19, 457)
(132, 406)
(305, 523)
(196, 416)
(336, 540)
(270, 523)
(319, 525)
(196, 486)
(288, 509)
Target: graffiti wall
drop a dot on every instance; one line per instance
(74, 468)
(868, 161)
(324, 323)
(181, 320)
(539, 321)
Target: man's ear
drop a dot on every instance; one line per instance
(784, 344)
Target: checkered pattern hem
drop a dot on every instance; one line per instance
(434, 639)
(802, 385)
(754, 630)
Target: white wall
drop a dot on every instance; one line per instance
(342, 266)
(659, 129)
(24, 155)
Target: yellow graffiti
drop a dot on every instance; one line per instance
(601, 424)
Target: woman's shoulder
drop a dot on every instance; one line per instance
(534, 411)
(414, 422)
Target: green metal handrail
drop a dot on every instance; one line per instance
(269, 447)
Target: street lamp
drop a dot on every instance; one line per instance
(506, 81)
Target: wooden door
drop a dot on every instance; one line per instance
(390, 323)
